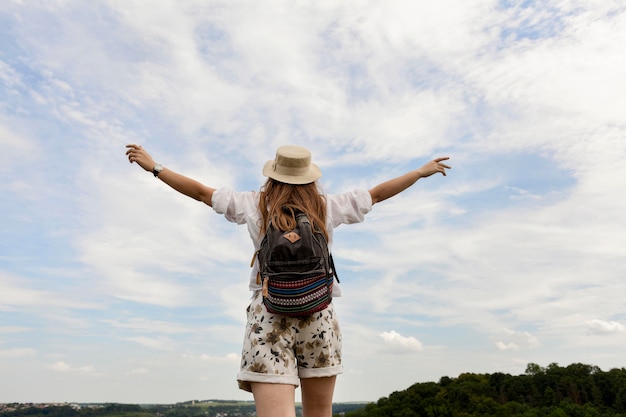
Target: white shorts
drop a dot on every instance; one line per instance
(281, 350)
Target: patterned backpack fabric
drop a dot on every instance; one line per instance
(296, 269)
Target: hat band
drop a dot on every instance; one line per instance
(290, 170)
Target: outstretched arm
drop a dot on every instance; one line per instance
(180, 183)
(392, 187)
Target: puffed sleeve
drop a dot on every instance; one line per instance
(236, 206)
(349, 207)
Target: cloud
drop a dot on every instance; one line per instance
(400, 343)
(159, 343)
(601, 327)
(138, 371)
(16, 293)
(506, 346)
(15, 145)
(521, 194)
(9, 77)
(66, 368)
(519, 340)
(13, 329)
(229, 357)
(150, 326)
(17, 352)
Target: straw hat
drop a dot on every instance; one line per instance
(292, 165)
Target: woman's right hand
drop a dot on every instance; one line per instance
(139, 155)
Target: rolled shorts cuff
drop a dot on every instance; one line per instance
(320, 372)
(245, 378)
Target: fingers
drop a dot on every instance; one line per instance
(440, 166)
(445, 158)
(133, 152)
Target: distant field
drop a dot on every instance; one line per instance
(207, 408)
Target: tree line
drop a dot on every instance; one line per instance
(127, 410)
(210, 408)
(577, 390)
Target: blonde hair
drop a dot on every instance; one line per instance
(278, 202)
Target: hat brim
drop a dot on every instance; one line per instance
(313, 174)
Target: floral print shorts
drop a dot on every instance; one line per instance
(280, 349)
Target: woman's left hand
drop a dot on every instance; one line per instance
(434, 167)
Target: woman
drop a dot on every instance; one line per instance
(280, 353)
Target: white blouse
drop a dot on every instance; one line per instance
(242, 208)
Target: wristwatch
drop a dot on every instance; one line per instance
(157, 169)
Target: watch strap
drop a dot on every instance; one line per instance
(157, 169)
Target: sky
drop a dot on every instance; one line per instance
(115, 288)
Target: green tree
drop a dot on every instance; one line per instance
(577, 390)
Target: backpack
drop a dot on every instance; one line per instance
(296, 269)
